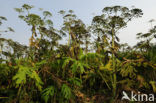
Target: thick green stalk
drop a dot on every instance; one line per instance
(114, 68)
(69, 37)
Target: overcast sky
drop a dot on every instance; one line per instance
(84, 9)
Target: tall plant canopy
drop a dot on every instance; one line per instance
(91, 67)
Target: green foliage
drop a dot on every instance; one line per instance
(25, 73)
(48, 93)
(76, 65)
(2, 18)
(27, 7)
(20, 77)
(153, 85)
(47, 14)
(33, 19)
(66, 91)
(128, 70)
(75, 81)
(89, 69)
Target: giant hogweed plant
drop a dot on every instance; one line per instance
(47, 71)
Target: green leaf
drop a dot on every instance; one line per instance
(47, 14)
(47, 93)
(20, 76)
(66, 91)
(10, 29)
(75, 81)
(25, 72)
(37, 79)
(3, 18)
(27, 7)
(49, 22)
(19, 10)
(153, 84)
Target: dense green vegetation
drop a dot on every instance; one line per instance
(93, 67)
